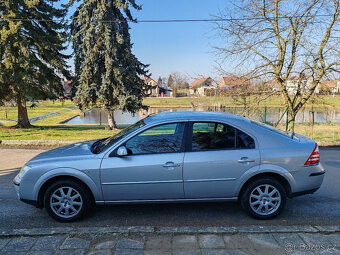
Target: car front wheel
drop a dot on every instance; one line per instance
(264, 198)
(67, 200)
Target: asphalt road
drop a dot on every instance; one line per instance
(321, 208)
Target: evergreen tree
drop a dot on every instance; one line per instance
(31, 63)
(171, 82)
(107, 73)
(160, 82)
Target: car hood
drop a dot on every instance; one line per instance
(73, 150)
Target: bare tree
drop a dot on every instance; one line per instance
(282, 40)
(180, 80)
(249, 97)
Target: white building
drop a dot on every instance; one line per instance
(200, 85)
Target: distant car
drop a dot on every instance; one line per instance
(175, 157)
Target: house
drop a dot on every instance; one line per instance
(273, 85)
(304, 82)
(293, 83)
(200, 85)
(227, 83)
(156, 90)
(332, 87)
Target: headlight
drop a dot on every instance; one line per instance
(23, 170)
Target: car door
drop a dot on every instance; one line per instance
(152, 170)
(218, 154)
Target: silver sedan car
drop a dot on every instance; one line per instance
(175, 157)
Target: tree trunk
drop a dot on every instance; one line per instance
(111, 121)
(23, 121)
(291, 120)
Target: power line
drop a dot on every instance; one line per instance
(166, 20)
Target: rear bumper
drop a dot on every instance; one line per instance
(317, 173)
(301, 193)
(307, 180)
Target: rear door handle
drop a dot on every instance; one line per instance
(245, 160)
(170, 165)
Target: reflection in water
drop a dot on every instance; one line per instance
(98, 116)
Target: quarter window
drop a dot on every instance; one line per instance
(160, 139)
(218, 136)
(244, 141)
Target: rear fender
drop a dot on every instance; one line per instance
(262, 169)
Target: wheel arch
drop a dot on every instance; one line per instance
(65, 174)
(274, 175)
(50, 181)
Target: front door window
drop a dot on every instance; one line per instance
(160, 139)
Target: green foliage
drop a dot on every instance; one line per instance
(107, 73)
(31, 50)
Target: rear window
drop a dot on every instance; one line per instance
(270, 128)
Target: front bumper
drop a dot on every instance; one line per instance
(27, 201)
(16, 187)
(30, 202)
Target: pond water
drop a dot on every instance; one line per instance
(321, 115)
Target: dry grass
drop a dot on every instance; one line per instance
(321, 132)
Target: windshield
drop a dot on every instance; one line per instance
(105, 143)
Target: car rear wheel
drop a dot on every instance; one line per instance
(264, 198)
(67, 200)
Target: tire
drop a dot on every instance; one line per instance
(267, 205)
(67, 200)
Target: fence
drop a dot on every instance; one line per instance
(320, 123)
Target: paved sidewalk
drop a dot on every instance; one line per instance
(172, 240)
(16, 158)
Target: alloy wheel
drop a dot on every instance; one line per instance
(66, 202)
(265, 199)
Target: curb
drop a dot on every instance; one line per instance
(171, 230)
(42, 143)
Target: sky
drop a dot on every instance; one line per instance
(176, 47)
(182, 47)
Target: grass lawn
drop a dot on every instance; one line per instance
(43, 107)
(49, 128)
(61, 133)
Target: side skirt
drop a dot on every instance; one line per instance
(230, 199)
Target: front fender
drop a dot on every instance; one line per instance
(265, 168)
(67, 172)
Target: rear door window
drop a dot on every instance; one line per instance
(219, 136)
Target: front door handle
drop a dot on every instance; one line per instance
(245, 160)
(170, 165)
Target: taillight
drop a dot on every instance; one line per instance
(314, 158)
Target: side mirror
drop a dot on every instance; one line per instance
(122, 151)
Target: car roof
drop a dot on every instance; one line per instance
(195, 115)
